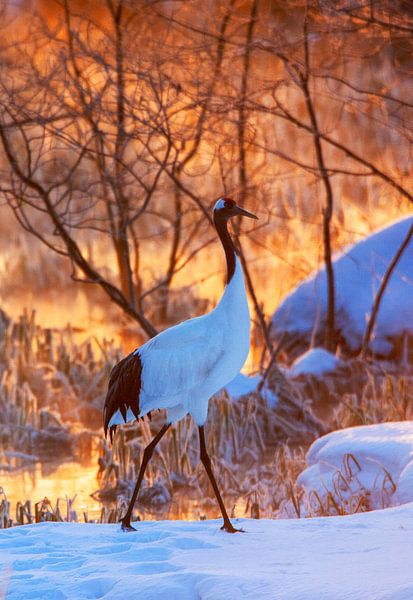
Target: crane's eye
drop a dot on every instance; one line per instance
(229, 203)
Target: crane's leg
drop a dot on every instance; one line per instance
(206, 461)
(147, 455)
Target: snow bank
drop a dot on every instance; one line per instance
(361, 557)
(316, 361)
(382, 470)
(358, 273)
(245, 384)
(241, 385)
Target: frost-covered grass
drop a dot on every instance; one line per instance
(52, 389)
(362, 557)
(50, 392)
(50, 385)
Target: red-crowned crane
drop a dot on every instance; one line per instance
(182, 367)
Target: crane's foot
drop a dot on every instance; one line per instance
(125, 524)
(230, 528)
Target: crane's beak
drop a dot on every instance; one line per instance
(244, 213)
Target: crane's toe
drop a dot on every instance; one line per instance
(125, 524)
(230, 528)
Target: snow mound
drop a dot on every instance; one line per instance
(358, 274)
(362, 556)
(370, 461)
(316, 361)
(241, 385)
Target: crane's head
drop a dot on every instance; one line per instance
(227, 208)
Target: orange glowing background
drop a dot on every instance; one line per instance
(183, 84)
(289, 197)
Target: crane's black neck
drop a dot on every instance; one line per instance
(221, 224)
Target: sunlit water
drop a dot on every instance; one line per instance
(53, 480)
(56, 310)
(71, 480)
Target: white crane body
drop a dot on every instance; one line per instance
(182, 367)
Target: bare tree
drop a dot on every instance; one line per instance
(94, 138)
(119, 129)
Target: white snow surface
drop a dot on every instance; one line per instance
(366, 556)
(358, 274)
(377, 448)
(316, 361)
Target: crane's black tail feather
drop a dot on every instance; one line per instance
(123, 391)
(113, 428)
(112, 431)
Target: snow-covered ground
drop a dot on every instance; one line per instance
(361, 557)
(358, 274)
(381, 470)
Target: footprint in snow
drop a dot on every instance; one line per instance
(65, 565)
(144, 537)
(151, 568)
(48, 562)
(96, 587)
(112, 549)
(188, 543)
(37, 593)
(151, 554)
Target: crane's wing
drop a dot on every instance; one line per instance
(171, 364)
(181, 358)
